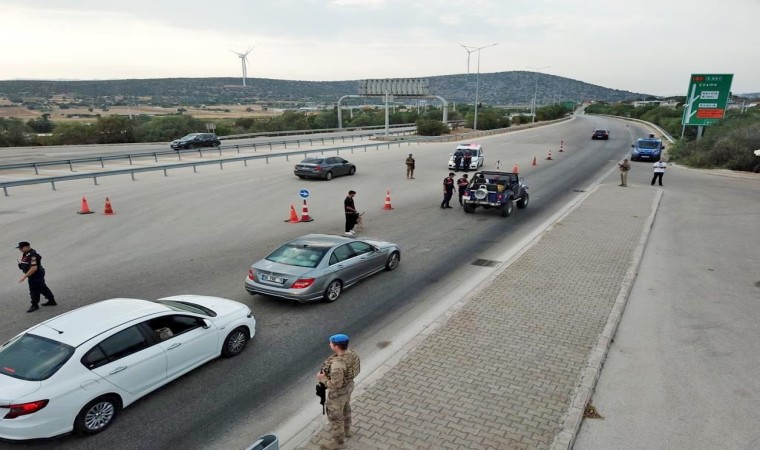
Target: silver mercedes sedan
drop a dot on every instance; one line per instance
(320, 266)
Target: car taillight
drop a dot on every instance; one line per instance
(251, 275)
(302, 283)
(318, 168)
(23, 409)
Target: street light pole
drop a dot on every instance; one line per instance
(477, 78)
(535, 92)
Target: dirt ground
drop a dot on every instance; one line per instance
(210, 112)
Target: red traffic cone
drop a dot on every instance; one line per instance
(305, 213)
(293, 215)
(108, 211)
(388, 201)
(515, 169)
(562, 146)
(534, 161)
(85, 209)
(549, 156)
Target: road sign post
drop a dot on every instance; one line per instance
(706, 100)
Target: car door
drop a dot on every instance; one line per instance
(188, 341)
(130, 360)
(337, 166)
(347, 267)
(369, 260)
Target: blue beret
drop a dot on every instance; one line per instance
(338, 338)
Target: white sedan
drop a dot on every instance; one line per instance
(77, 370)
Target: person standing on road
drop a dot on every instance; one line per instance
(409, 167)
(462, 185)
(338, 373)
(34, 273)
(624, 168)
(448, 190)
(351, 213)
(467, 161)
(659, 171)
(458, 155)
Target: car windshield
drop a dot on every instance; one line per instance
(649, 144)
(601, 131)
(33, 358)
(186, 306)
(298, 255)
(189, 137)
(312, 161)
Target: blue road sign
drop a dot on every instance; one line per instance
(304, 193)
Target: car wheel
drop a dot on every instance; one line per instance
(97, 415)
(523, 202)
(328, 176)
(301, 176)
(234, 343)
(506, 208)
(333, 291)
(469, 208)
(352, 170)
(392, 261)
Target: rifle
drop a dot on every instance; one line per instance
(322, 394)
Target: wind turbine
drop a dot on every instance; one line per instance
(244, 61)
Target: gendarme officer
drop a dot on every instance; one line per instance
(31, 265)
(338, 373)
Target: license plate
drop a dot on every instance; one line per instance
(273, 279)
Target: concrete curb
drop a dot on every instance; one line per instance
(565, 439)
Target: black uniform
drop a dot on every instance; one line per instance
(448, 192)
(351, 214)
(37, 284)
(462, 185)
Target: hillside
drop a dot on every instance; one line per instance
(501, 88)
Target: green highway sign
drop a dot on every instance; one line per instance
(706, 98)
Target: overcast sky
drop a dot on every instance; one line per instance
(648, 46)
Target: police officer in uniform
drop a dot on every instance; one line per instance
(338, 373)
(31, 265)
(462, 185)
(448, 190)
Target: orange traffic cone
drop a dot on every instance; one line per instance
(562, 146)
(515, 169)
(108, 211)
(293, 215)
(549, 156)
(388, 201)
(305, 213)
(534, 161)
(85, 209)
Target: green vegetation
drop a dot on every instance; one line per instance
(728, 144)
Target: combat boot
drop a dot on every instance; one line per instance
(333, 445)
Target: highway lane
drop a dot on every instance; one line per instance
(18, 155)
(198, 233)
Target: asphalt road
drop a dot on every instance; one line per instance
(198, 233)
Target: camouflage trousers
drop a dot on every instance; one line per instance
(338, 406)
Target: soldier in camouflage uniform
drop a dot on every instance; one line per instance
(338, 373)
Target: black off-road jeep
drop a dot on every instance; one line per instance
(491, 189)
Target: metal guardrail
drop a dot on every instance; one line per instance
(156, 154)
(313, 131)
(165, 168)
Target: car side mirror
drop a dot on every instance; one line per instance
(206, 325)
(632, 146)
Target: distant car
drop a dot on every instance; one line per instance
(196, 140)
(319, 266)
(325, 167)
(647, 149)
(601, 134)
(77, 370)
(476, 152)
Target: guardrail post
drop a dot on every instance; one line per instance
(95, 179)
(267, 159)
(133, 175)
(52, 184)
(155, 156)
(5, 191)
(254, 146)
(71, 167)
(299, 143)
(245, 162)
(130, 159)
(238, 149)
(200, 152)
(195, 169)
(220, 150)
(36, 172)
(165, 173)
(270, 149)
(287, 158)
(221, 165)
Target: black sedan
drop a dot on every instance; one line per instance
(196, 140)
(325, 167)
(601, 134)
